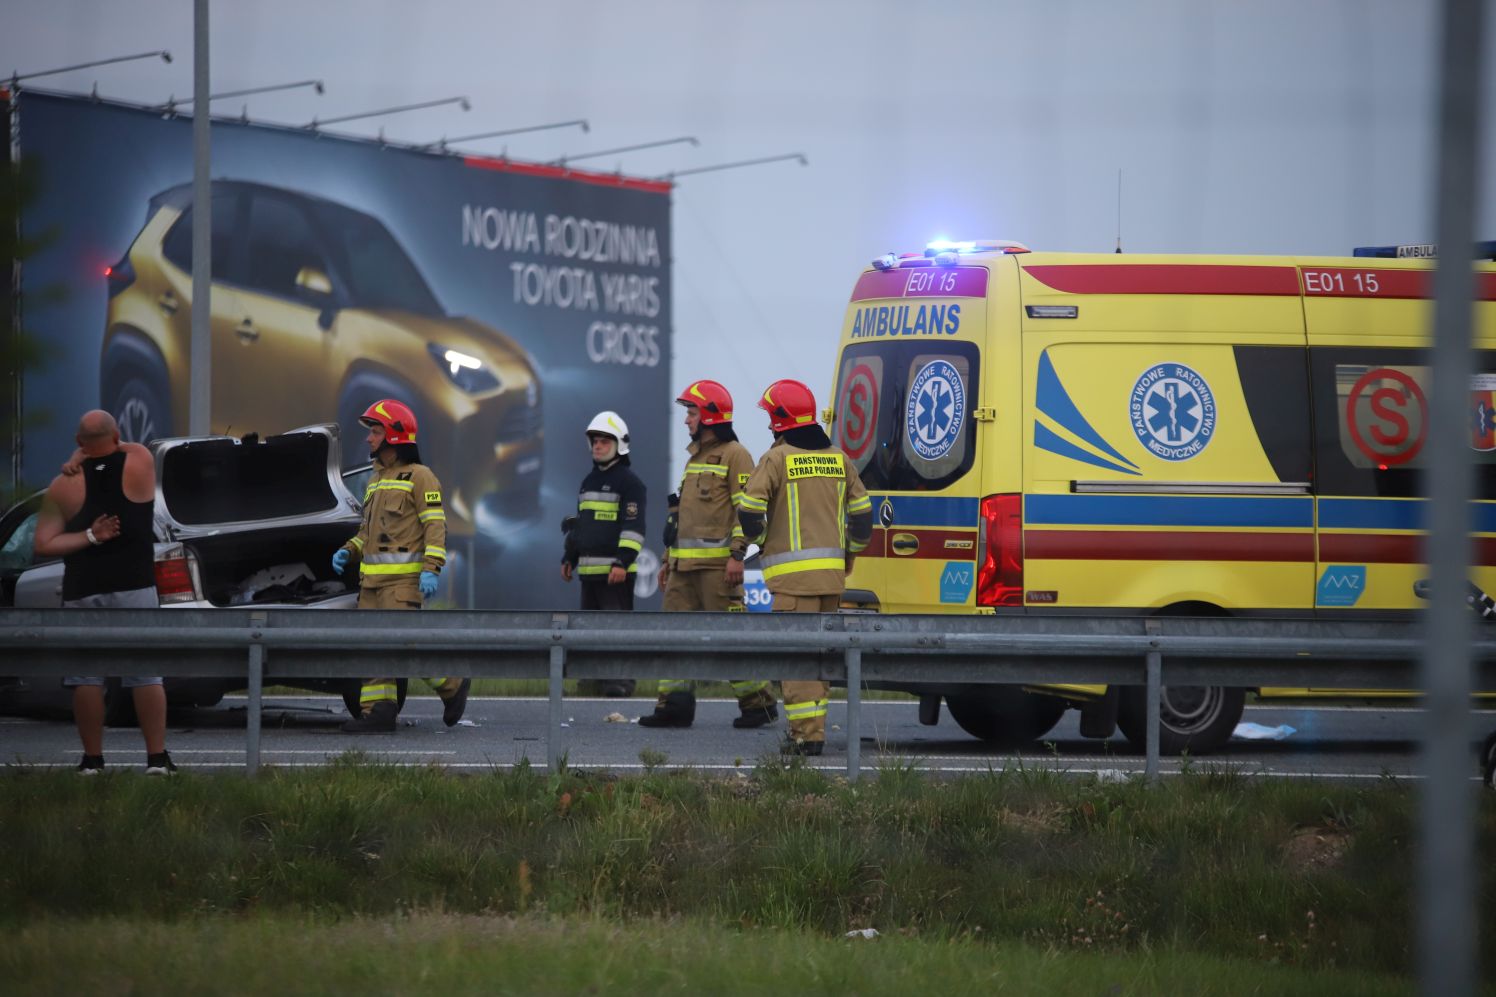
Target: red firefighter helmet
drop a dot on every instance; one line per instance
(790, 405)
(711, 400)
(398, 420)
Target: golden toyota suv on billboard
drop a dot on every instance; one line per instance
(317, 312)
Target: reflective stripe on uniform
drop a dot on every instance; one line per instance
(792, 493)
(697, 542)
(631, 539)
(753, 504)
(864, 504)
(432, 515)
(805, 711)
(381, 693)
(748, 688)
(717, 469)
(599, 566)
(737, 498)
(358, 542)
(391, 569)
(702, 547)
(607, 498)
(393, 557)
(440, 552)
(841, 521)
(813, 559)
(392, 485)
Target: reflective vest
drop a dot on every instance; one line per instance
(807, 496)
(707, 530)
(404, 528)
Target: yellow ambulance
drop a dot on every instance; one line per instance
(1174, 435)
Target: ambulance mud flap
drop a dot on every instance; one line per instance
(1098, 717)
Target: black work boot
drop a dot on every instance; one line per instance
(756, 716)
(453, 706)
(379, 720)
(678, 710)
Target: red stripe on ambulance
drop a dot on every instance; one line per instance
(1151, 545)
(1166, 278)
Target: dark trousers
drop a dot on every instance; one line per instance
(598, 594)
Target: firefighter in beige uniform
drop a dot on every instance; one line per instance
(806, 508)
(703, 566)
(401, 549)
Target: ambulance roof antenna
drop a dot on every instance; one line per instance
(1119, 209)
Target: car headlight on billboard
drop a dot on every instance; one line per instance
(463, 369)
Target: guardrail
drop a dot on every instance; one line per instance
(261, 646)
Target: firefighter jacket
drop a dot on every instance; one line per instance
(707, 529)
(609, 525)
(807, 511)
(404, 530)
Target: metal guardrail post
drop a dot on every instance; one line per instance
(854, 712)
(252, 720)
(553, 733)
(255, 681)
(1153, 695)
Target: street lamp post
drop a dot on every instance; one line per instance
(161, 54)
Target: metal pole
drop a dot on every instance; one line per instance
(553, 733)
(199, 404)
(854, 712)
(1154, 693)
(252, 720)
(472, 570)
(1446, 924)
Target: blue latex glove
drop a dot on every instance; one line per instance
(428, 583)
(340, 560)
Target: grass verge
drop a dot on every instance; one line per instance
(443, 953)
(1211, 865)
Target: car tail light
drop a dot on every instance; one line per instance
(1000, 579)
(176, 575)
(119, 276)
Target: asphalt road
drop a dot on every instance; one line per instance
(1328, 742)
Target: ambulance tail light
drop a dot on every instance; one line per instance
(1000, 544)
(176, 575)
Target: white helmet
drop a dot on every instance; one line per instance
(611, 424)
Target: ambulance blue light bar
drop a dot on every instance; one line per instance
(1420, 251)
(974, 246)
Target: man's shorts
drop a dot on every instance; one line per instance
(133, 599)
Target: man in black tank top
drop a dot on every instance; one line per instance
(101, 523)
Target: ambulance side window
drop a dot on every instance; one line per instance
(904, 412)
(1371, 409)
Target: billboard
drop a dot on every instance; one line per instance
(506, 303)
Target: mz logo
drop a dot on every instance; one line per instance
(956, 581)
(1341, 585)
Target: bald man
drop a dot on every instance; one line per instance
(101, 523)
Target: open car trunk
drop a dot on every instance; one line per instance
(261, 518)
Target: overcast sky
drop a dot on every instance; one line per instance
(1273, 126)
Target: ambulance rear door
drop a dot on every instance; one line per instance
(909, 385)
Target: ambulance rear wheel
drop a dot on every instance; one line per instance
(1005, 714)
(1194, 718)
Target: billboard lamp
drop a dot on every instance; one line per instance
(315, 123)
(161, 54)
(628, 148)
(444, 141)
(733, 166)
(172, 104)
